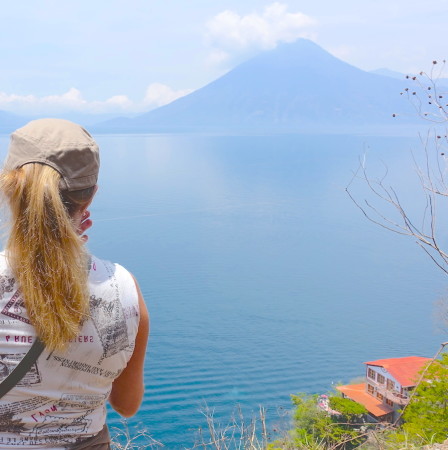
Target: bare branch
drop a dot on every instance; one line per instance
(386, 209)
(433, 259)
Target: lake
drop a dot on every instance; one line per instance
(261, 276)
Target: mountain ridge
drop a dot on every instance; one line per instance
(294, 87)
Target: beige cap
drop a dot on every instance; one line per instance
(61, 144)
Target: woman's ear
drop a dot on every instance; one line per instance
(84, 222)
(85, 206)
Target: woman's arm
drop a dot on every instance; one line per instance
(128, 388)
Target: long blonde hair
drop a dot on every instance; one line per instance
(45, 252)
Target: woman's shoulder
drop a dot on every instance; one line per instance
(98, 265)
(113, 292)
(102, 271)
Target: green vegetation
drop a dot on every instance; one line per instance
(347, 407)
(315, 428)
(426, 416)
(425, 420)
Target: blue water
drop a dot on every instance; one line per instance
(261, 276)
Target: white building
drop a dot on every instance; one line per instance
(387, 387)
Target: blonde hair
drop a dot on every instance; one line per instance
(45, 252)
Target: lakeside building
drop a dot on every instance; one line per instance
(388, 385)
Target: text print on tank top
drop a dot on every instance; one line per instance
(61, 400)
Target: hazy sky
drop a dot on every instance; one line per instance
(133, 55)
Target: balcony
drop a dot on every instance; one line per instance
(392, 395)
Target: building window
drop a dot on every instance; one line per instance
(380, 378)
(371, 373)
(379, 396)
(370, 389)
(390, 385)
(389, 402)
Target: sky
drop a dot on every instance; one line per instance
(130, 56)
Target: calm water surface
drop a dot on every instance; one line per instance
(261, 277)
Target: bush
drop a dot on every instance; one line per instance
(347, 407)
(316, 428)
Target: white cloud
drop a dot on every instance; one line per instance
(158, 94)
(121, 101)
(233, 37)
(72, 100)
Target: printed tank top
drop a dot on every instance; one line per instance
(62, 398)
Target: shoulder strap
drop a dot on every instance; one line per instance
(22, 368)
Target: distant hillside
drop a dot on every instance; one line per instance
(389, 73)
(295, 87)
(10, 122)
(440, 82)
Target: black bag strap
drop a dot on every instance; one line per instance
(22, 368)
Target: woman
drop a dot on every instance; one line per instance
(89, 313)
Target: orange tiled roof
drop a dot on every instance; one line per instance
(357, 393)
(404, 370)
